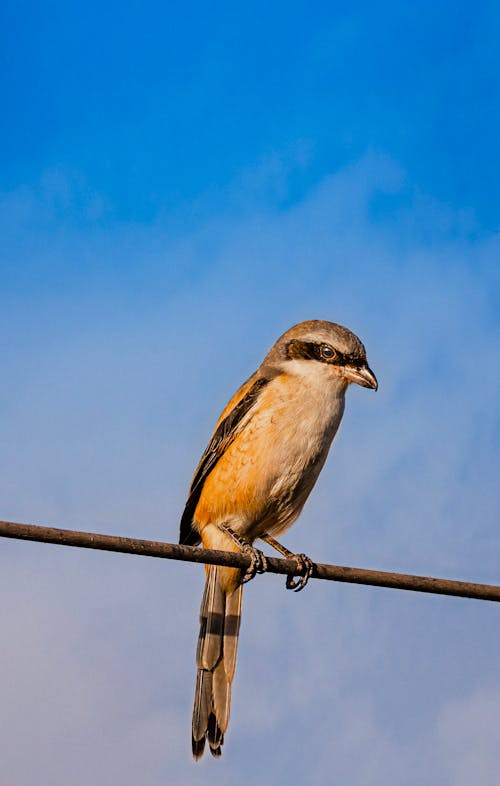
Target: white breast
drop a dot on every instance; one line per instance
(291, 431)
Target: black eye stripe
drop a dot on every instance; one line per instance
(309, 350)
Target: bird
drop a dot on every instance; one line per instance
(262, 461)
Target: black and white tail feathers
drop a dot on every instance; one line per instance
(220, 616)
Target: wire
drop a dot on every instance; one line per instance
(152, 548)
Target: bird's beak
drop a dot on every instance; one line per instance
(363, 376)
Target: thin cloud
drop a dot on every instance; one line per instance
(114, 379)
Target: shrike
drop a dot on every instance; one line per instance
(263, 459)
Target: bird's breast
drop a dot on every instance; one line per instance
(264, 477)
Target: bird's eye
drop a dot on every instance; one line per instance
(327, 352)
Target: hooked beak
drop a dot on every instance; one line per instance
(363, 376)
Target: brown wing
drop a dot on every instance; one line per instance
(225, 432)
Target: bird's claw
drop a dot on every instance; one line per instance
(305, 568)
(258, 563)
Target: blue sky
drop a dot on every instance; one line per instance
(156, 104)
(178, 186)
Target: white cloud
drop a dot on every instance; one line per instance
(469, 738)
(113, 377)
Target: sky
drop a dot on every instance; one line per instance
(179, 184)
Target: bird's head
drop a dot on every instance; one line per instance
(320, 347)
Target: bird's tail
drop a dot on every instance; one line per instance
(220, 615)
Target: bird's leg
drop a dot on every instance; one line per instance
(305, 565)
(258, 562)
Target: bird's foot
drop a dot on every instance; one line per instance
(305, 568)
(258, 563)
(258, 560)
(305, 565)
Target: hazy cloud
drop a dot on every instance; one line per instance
(116, 366)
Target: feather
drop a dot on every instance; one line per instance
(224, 434)
(231, 630)
(202, 707)
(216, 659)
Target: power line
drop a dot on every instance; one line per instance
(152, 548)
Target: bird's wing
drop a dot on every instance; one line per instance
(225, 432)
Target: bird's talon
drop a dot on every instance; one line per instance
(258, 563)
(305, 568)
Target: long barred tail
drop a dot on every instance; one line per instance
(220, 616)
